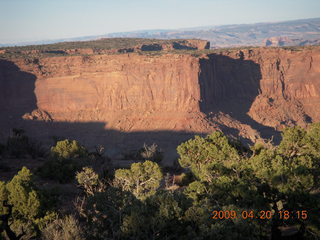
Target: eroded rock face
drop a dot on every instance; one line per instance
(275, 87)
(124, 100)
(198, 44)
(115, 83)
(39, 115)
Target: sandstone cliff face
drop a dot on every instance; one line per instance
(290, 85)
(125, 100)
(117, 89)
(274, 87)
(118, 83)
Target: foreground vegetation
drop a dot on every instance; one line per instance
(226, 191)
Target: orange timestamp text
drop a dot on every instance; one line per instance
(263, 214)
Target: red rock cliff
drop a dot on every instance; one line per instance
(247, 92)
(274, 87)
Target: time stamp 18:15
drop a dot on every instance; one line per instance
(250, 214)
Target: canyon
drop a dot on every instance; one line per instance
(125, 99)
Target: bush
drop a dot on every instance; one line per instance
(62, 170)
(36, 149)
(23, 196)
(19, 145)
(161, 216)
(27, 203)
(100, 150)
(142, 179)
(67, 157)
(152, 153)
(68, 149)
(183, 179)
(67, 228)
(209, 156)
(104, 211)
(90, 181)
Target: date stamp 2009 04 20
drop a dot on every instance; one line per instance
(263, 214)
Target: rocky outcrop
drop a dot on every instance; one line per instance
(198, 44)
(277, 41)
(124, 100)
(190, 44)
(39, 115)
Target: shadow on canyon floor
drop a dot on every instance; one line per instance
(227, 85)
(230, 86)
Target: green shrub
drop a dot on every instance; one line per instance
(161, 215)
(89, 180)
(67, 157)
(23, 195)
(208, 157)
(28, 211)
(195, 190)
(68, 149)
(104, 211)
(142, 179)
(3, 196)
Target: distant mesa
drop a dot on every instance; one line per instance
(286, 41)
(107, 46)
(277, 41)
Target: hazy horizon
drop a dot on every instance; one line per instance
(35, 20)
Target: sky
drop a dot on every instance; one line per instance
(35, 20)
